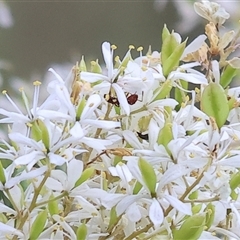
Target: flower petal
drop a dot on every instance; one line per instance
(121, 98)
(156, 213)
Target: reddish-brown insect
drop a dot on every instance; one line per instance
(132, 99)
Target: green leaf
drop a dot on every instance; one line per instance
(165, 136)
(227, 76)
(162, 91)
(172, 62)
(2, 175)
(116, 160)
(45, 135)
(191, 229)
(210, 214)
(234, 195)
(80, 108)
(137, 187)
(36, 132)
(113, 218)
(149, 176)
(87, 173)
(215, 104)
(38, 225)
(82, 232)
(235, 181)
(53, 206)
(165, 33)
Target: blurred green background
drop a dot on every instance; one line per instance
(48, 32)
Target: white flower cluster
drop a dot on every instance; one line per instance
(129, 151)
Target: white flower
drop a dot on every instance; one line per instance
(211, 11)
(131, 79)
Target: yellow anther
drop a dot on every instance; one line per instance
(197, 90)
(131, 47)
(21, 89)
(116, 58)
(94, 214)
(183, 105)
(37, 83)
(191, 155)
(139, 49)
(113, 47)
(91, 105)
(4, 92)
(29, 124)
(120, 164)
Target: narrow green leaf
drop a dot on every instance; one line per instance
(215, 104)
(168, 47)
(45, 134)
(162, 91)
(148, 174)
(227, 76)
(234, 195)
(165, 33)
(36, 132)
(38, 225)
(2, 175)
(113, 218)
(137, 188)
(172, 62)
(235, 181)
(87, 173)
(80, 108)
